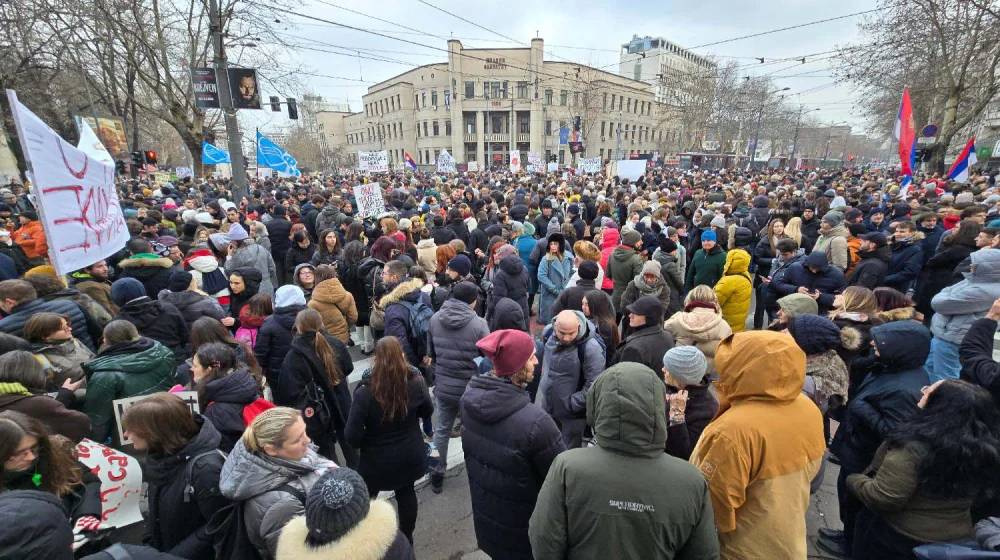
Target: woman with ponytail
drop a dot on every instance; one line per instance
(270, 471)
(314, 380)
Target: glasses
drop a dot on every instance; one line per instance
(23, 454)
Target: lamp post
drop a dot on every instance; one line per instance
(756, 134)
(798, 123)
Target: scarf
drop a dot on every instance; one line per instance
(829, 373)
(14, 389)
(647, 290)
(702, 304)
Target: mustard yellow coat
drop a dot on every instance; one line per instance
(734, 289)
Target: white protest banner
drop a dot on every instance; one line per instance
(121, 482)
(183, 172)
(74, 193)
(446, 163)
(553, 166)
(368, 199)
(473, 166)
(93, 147)
(515, 160)
(631, 169)
(161, 178)
(373, 162)
(535, 164)
(590, 165)
(121, 405)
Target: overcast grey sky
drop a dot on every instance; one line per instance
(587, 32)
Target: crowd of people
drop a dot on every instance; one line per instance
(589, 338)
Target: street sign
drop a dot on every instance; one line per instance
(929, 130)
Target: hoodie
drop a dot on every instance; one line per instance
(662, 504)
(760, 499)
(734, 289)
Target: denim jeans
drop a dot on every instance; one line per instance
(444, 421)
(942, 362)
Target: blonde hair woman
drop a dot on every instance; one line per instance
(856, 313)
(700, 324)
(271, 470)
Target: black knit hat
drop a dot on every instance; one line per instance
(335, 504)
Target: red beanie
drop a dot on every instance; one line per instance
(508, 349)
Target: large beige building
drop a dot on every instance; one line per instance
(483, 103)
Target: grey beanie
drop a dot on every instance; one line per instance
(833, 218)
(335, 504)
(718, 221)
(686, 364)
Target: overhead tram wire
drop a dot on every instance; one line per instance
(784, 29)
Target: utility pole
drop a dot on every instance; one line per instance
(795, 141)
(756, 134)
(240, 188)
(486, 96)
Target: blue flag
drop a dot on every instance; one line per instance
(563, 135)
(211, 155)
(272, 155)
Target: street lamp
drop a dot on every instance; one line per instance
(756, 134)
(829, 136)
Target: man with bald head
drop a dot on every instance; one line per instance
(574, 357)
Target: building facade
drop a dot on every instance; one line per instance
(483, 103)
(661, 63)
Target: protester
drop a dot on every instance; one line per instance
(244, 284)
(157, 320)
(625, 265)
(976, 353)
(691, 405)
(152, 270)
(647, 341)
(19, 301)
(245, 254)
(337, 306)
(626, 407)
(24, 388)
(700, 324)
(708, 263)
(649, 282)
(813, 277)
(383, 425)
(182, 292)
(760, 498)
(554, 271)
(734, 289)
(94, 281)
(269, 473)
(52, 342)
(183, 464)
(274, 337)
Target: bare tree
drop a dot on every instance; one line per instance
(951, 71)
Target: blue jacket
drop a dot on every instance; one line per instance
(889, 394)
(19, 315)
(8, 271)
(829, 280)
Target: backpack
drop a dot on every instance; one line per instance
(419, 324)
(580, 352)
(228, 528)
(248, 336)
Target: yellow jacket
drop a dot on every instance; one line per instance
(734, 289)
(762, 449)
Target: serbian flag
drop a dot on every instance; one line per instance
(409, 161)
(960, 169)
(906, 132)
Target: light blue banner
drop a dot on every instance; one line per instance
(274, 156)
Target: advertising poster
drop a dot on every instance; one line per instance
(244, 87)
(111, 132)
(205, 88)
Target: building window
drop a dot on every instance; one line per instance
(506, 92)
(522, 90)
(548, 97)
(612, 102)
(637, 72)
(562, 157)
(497, 124)
(425, 128)
(470, 90)
(447, 98)
(562, 125)
(427, 156)
(548, 128)
(602, 129)
(604, 101)
(563, 95)
(420, 156)
(524, 124)
(437, 131)
(470, 124)
(628, 105)
(447, 128)
(576, 99)
(416, 101)
(434, 98)
(602, 154)
(423, 98)
(437, 154)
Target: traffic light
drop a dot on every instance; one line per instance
(150, 157)
(552, 158)
(137, 158)
(275, 104)
(293, 109)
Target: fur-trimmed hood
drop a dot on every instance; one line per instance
(851, 338)
(401, 289)
(901, 314)
(370, 539)
(140, 262)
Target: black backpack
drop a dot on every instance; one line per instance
(227, 529)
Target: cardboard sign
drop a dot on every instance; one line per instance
(515, 160)
(121, 481)
(121, 405)
(446, 163)
(75, 195)
(553, 166)
(183, 172)
(630, 169)
(590, 165)
(374, 162)
(368, 200)
(473, 166)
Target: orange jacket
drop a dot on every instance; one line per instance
(31, 238)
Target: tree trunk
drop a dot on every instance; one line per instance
(946, 134)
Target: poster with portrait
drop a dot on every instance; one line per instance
(244, 87)
(110, 131)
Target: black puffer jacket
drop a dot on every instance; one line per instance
(277, 233)
(193, 305)
(870, 271)
(392, 452)
(457, 226)
(646, 345)
(451, 343)
(176, 522)
(509, 445)
(33, 525)
(224, 400)
(273, 340)
(889, 394)
(511, 281)
(160, 321)
(936, 275)
(295, 256)
(303, 365)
